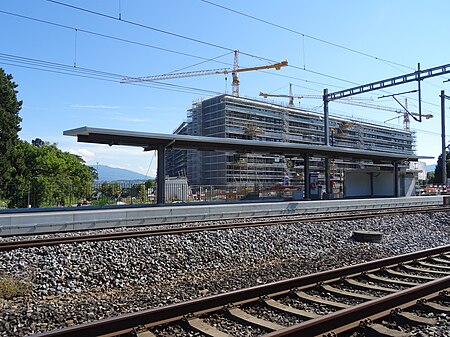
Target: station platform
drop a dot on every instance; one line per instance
(70, 219)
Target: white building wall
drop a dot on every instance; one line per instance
(357, 184)
(383, 184)
(176, 189)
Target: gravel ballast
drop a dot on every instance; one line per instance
(76, 283)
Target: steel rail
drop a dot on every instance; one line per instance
(327, 323)
(12, 245)
(126, 323)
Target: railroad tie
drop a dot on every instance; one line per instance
(252, 320)
(413, 319)
(441, 261)
(431, 306)
(378, 330)
(425, 270)
(346, 293)
(366, 286)
(145, 334)
(412, 276)
(374, 277)
(430, 265)
(203, 327)
(285, 308)
(316, 299)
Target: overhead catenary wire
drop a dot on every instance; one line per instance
(223, 47)
(110, 77)
(137, 24)
(141, 25)
(165, 86)
(78, 29)
(59, 68)
(198, 63)
(305, 35)
(393, 64)
(92, 74)
(430, 132)
(192, 39)
(386, 61)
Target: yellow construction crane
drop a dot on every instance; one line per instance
(406, 113)
(357, 102)
(225, 71)
(290, 96)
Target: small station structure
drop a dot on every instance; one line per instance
(383, 179)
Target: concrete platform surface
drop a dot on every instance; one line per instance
(82, 219)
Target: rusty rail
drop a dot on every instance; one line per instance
(362, 311)
(11, 245)
(126, 323)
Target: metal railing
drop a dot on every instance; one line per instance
(130, 193)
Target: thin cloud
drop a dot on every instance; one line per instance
(86, 154)
(80, 106)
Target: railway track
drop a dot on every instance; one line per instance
(172, 230)
(369, 297)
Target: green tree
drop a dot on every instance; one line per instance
(9, 129)
(150, 183)
(438, 169)
(51, 175)
(142, 193)
(110, 190)
(94, 172)
(430, 178)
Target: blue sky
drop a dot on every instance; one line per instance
(56, 53)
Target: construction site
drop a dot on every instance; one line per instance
(229, 116)
(247, 175)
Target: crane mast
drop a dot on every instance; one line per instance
(234, 74)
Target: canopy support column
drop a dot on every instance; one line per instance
(396, 171)
(306, 171)
(160, 176)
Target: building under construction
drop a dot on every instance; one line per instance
(229, 116)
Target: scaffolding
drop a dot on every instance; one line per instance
(228, 116)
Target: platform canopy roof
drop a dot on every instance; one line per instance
(151, 141)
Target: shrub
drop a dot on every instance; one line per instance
(3, 203)
(12, 287)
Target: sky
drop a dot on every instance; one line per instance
(69, 58)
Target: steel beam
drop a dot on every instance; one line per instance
(326, 132)
(418, 75)
(419, 94)
(444, 145)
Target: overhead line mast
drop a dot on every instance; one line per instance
(418, 76)
(350, 101)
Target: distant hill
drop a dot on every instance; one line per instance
(107, 173)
